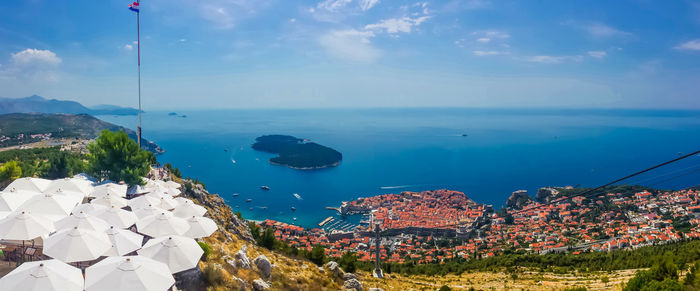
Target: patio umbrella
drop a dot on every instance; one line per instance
(53, 207)
(45, 275)
(187, 208)
(70, 185)
(110, 200)
(10, 201)
(172, 184)
(123, 241)
(111, 188)
(24, 226)
(36, 185)
(178, 252)
(132, 273)
(148, 210)
(76, 245)
(77, 197)
(161, 224)
(143, 201)
(200, 227)
(82, 220)
(89, 208)
(118, 217)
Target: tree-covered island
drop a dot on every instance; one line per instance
(297, 153)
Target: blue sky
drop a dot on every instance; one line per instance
(355, 53)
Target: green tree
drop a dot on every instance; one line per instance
(268, 239)
(445, 288)
(318, 255)
(254, 230)
(348, 262)
(115, 156)
(10, 171)
(63, 164)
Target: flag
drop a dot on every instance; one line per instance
(134, 7)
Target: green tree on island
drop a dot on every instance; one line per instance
(115, 156)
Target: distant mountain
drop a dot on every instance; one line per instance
(18, 128)
(38, 104)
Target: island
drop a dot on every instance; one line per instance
(297, 153)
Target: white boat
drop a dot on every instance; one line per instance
(297, 196)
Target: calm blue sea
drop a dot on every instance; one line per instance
(392, 150)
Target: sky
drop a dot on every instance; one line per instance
(217, 54)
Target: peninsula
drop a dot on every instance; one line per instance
(297, 153)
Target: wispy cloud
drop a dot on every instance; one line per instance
(35, 57)
(488, 36)
(601, 30)
(367, 4)
(128, 47)
(486, 53)
(333, 5)
(350, 44)
(218, 15)
(691, 45)
(395, 25)
(547, 59)
(597, 54)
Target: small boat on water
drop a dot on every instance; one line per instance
(264, 208)
(249, 200)
(294, 208)
(235, 194)
(266, 188)
(295, 219)
(251, 208)
(297, 196)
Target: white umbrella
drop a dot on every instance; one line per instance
(77, 197)
(188, 208)
(82, 220)
(123, 241)
(148, 210)
(70, 185)
(53, 207)
(89, 208)
(143, 201)
(132, 273)
(76, 245)
(161, 224)
(111, 188)
(10, 201)
(24, 226)
(44, 276)
(172, 191)
(178, 252)
(118, 217)
(200, 227)
(36, 185)
(172, 184)
(110, 200)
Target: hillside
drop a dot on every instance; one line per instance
(23, 128)
(38, 104)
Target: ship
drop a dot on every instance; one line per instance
(249, 200)
(235, 194)
(294, 208)
(266, 188)
(297, 196)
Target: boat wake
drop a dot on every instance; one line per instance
(397, 187)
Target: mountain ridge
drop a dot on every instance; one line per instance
(39, 104)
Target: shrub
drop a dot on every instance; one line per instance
(206, 248)
(213, 276)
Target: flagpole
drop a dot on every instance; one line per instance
(138, 48)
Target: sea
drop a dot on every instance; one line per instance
(485, 153)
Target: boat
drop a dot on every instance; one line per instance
(294, 208)
(264, 207)
(295, 219)
(251, 208)
(249, 200)
(297, 196)
(464, 134)
(266, 188)
(235, 194)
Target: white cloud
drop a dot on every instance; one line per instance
(292, 20)
(483, 39)
(333, 5)
(218, 15)
(692, 45)
(545, 59)
(350, 44)
(604, 31)
(367, 4)
(128, 47)
(488, 36)
(486, 53)
(597, 54)
(183, 40)
(396, 25)
(35, 57)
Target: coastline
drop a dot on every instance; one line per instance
(305, 168)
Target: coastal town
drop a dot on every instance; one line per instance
(432, 226)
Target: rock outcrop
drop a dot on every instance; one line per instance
(334, 269)
(352, 284)
(264, 266)
(259, 285)
(547, 194)
(518, 199)
(240, 259)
